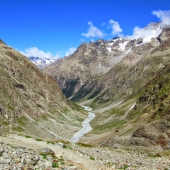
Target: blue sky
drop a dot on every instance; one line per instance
(58, 27)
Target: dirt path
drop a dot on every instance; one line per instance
(31, 143)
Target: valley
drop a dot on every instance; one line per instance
(130, 97)
(106, 106)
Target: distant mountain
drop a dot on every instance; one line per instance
(31, 101)
(41, 62)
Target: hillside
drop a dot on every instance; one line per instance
(31, 102)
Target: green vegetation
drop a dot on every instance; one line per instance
(76, 106)
(4, 122)
(22, 120)
(50, 142)
(44, 117)
(157, 155)
(92, 158)
(18, 128)
(125, 166)
(38, 139)
(55, 164)
(27, 136)
(64, 146)
(84, 145)
(44, 155)
(10, 107)
(71, 165)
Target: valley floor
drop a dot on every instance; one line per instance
(96, 158)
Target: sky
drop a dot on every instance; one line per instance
(56, 28)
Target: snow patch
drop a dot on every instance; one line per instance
(123, 45)
(109, 49)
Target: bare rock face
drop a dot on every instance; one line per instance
(31, 101)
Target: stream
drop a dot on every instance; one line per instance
(86, 126)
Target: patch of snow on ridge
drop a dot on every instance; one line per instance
(123, 45)
(147, 33)
(110, 44)
(109, 49)
(153, 34)
(41, 62)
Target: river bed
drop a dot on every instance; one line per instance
(86, 127)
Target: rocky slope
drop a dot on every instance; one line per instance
(31, 101)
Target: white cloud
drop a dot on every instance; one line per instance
(146, 33)
(152, 30)
(164, 16)
(70, 51)
(34, 51)
(93, 32)
(116, 30)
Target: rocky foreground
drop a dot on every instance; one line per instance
(130, 159)
(21, 153)
(19, 158)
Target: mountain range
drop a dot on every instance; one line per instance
(41, 62)
(97, 58)
(126, 81)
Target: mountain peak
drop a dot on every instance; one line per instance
(41, 62)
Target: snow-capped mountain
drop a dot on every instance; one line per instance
(41, 62)
(99, 57)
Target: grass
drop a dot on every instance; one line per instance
(44, 155)
(38, 139)
(125, 166)
(84, 145)
(18, 128)
(27, 136)
(55, 165)
(157, 155)
(50, 142)
(92, 158)
(22, 120)
(4, 122)
(10, 107)
(75, 106)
